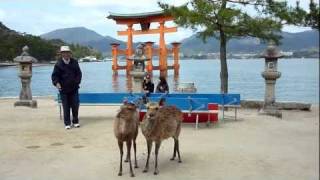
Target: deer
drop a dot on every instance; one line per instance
(158, 124)
(126, 126)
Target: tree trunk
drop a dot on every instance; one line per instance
(223, 63)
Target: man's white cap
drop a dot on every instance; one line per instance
(65, 49)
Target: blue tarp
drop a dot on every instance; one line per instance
(184, 101)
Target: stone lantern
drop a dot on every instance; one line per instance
(25, 73)
(138, 71)
(271, 74)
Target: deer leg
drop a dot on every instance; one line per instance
(129, 158)
(174, 150)
(178, 150)
(149, 145)
(135, 154)
(156, 171)
(120, 144)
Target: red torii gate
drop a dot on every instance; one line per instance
(145, 19)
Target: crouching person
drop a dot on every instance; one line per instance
(66, 77)
(148, 88)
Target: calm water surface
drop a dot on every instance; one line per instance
(299, 79)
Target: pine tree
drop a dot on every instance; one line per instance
(313, 17)
(227, 19)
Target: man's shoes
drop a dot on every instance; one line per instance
(67, 127)
(76, 125)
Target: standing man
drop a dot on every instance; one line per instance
(66, 77)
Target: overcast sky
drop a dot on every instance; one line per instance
(41, 16)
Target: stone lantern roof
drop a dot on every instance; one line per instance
(25, 57)
(272, 52)
(139, 54)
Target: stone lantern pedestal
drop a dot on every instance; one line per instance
(25, 73)
(270, 74)
(138, 70)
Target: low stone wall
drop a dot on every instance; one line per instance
(258, 104)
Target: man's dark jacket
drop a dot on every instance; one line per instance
(68, 75)
(148, 86)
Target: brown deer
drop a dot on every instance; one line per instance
(160, 123)
(126, 127)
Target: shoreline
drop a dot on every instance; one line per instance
(8, 65)
(243, 101)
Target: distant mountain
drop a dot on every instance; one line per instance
(300, 41)
(77, 35)
(42, 49)
(12, 43)
(84, 36)
(191, 45)
(103, 45)
(289, 42)
(5, 30)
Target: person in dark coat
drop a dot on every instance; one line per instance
(148, 87)
(66, 77)
(162, 86)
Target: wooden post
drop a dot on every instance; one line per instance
(115, 57)
(115, 82)
(175, 50)
(149, 50)
(163, 49)
(129, 47)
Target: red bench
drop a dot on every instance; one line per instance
(198, 116)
